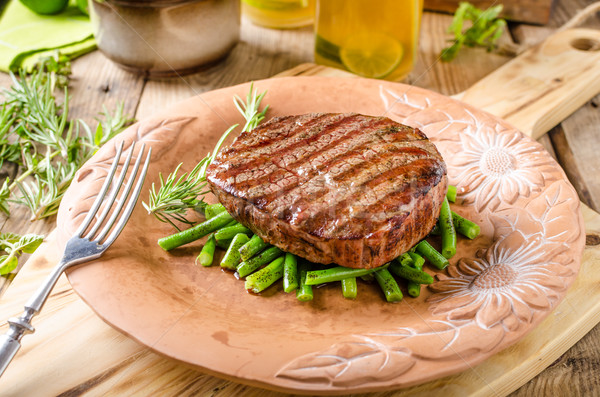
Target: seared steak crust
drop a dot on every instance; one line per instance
(333, 188)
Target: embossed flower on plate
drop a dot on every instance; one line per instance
(496, 168)
(512, 280)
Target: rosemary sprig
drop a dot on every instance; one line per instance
(37, 134)
(250, 109)
(176, 195)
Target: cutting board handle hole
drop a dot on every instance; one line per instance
(585, 44)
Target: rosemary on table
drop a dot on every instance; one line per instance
(48, 147)
(485, 29)
(176, 195)
(14, 246)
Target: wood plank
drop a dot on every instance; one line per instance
(449, 78)
(580, 139)
(98, 82)
(581, 129)
(530, 11)
(543, 85)
(262, 52)
(529, 35)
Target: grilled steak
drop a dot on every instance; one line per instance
(348, 189)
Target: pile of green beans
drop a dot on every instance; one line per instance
(262, 264)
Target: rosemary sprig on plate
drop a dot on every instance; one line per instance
(37, 134)
(176, 195)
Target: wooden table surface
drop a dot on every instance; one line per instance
(263, 53)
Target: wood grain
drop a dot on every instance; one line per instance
(542, 86)
(583, 127)
(449, 78)
(261, 53)
(99, 83)
(532, 11)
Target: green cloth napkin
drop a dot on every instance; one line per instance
(26, 37)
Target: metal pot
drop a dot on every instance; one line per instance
(165, 37)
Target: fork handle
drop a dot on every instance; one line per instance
(10, 343)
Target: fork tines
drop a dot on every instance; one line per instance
(114, 202)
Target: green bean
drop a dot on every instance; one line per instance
(228, 232)
(418, 260)
(304, 292)
(388, 285)
(213, 210)
(290, 272)
(410, 273)
(369, 278)
(206, 255)
(247, 267)
(465, 227)
(349, 288)
(337, 273)
(451, 193)
(414, 289)
(195, 232)
(431, 254)
(405, 259)
(260, 280)
(436, 231)
(232, 256)
(448, 231)
(252, 247)
(224, 244)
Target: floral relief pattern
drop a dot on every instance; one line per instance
(494, 168)
(491, 163)
(506, 285)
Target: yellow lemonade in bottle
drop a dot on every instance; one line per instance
(371, 38)
(280, 13)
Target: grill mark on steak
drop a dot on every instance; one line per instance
(276, 134)
(354, 206)
(345, 188)
(393, 203)
(287, 164)
(303, 141)
(318, 190)
(306, 168)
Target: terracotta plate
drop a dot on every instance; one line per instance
(497, 288)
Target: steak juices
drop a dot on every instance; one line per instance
(348, 189)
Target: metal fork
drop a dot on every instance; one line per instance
(82, 248)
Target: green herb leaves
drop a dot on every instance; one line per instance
(14, 245)
(485, 30)
(250, 109)
(37, 134)
(176, 195)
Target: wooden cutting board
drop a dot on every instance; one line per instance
(74, 352)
